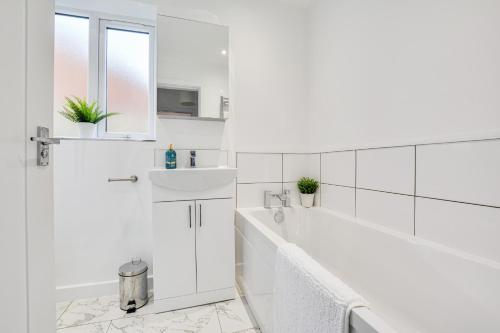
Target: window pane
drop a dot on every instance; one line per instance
(127, 73)
(71, 66)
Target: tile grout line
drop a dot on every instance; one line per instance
(218, 318)
(282, 177)
(355, 183)
(66, 309)
(236, 181)
(320, 179)
(415, 192)
(383, 191)
(346, 186)
(410, 145)
(109, 325)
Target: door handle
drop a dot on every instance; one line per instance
(42, 145)
(200, 215)
(46, 141)
(190, 217)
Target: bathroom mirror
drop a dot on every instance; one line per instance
(193, 73)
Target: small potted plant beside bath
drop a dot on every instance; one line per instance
(307, 188)
(85, 115)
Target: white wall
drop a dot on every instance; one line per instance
(268, 74)
(387, 72)
(402, 73)
(101, 225)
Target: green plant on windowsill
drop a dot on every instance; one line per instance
(85, 114)
(78, 110)
(307, 187)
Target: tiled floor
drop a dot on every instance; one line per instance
(103, 315)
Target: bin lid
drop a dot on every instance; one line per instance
(132, 268)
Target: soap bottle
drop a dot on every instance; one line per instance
(170, 158)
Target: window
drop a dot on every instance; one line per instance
(71, 65)
(109, 61)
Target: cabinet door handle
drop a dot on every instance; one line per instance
(190, 217)
(200, 215)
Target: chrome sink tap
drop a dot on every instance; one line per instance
(193, 159)
(283, 197)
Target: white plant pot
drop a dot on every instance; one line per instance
(87, 130)
(307, 200)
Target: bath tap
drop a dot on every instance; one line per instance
(283, 197)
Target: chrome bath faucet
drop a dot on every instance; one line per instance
(283, 197)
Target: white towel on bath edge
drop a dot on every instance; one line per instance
(307, 297)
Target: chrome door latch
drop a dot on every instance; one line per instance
(42, 145)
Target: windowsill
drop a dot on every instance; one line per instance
(103, 139)
(164, 116)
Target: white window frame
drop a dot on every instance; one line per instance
(111, 24)
(96, 90)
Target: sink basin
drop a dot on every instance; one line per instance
(192, 180)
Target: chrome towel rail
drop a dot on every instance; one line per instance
(132, 179)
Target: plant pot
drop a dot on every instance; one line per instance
(307, 200)
(87, 130)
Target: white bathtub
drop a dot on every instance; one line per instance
(412, 285)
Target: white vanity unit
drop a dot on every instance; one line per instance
(193, 226)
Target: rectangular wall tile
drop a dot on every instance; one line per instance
(468, 171)
(295, 195)
(252, 195)
(296, 166)
(338, 198)
(470, 228)
(394, 211)
(338, 168)
(387, 169)
(259, 168)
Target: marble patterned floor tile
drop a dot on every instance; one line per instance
(201, 319)
(235, 316)
(91, 310)
(101, 327)
(61, 307)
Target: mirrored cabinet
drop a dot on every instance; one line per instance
(193, 71)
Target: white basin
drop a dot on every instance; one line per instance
(192, 180)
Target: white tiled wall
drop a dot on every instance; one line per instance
(252, 195)
(386, 169)
(468, 172)
(296, 166)
(447, 193)
(259, 168)
(339, 198)
(394, 211)
(272, 172)
(471, 228)
(339, 168)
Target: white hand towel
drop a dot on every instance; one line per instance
(307, 297)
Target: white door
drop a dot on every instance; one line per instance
(215, 244)
(174, 248)
(26, 226)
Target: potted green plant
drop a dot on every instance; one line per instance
(85, 115)
(307, 187)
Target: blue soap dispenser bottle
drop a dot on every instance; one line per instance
(170, 158)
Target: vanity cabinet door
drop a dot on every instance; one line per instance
(174, 248)
(215, 244)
